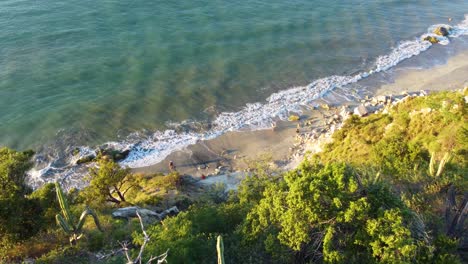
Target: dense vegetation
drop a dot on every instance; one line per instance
(390, 188)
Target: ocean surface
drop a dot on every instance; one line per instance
(156, 76)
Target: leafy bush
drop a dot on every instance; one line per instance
(323, 210)
(191, 235)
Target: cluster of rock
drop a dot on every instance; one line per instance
(442, 31)
(311, 135)
(105, 154)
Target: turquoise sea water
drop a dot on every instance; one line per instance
(87, 72)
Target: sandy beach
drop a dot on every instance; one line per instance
(230, 153)
(450, 76)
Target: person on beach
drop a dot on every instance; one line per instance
(172, 167)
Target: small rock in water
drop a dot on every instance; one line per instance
(325, 106)
(293, 118)
(431, 39)
(442, 31)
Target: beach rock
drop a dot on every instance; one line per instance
(381, 99)
(75, 151)
(361, 110)
(293, 118)
(431, 39)
(325, 106)
(112, 154)
(389, 100)
(344, 113)
(442, 31)
(85, 159)
(121, 155)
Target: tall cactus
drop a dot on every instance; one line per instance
(432, 164)
(220, 249)
(65, 219)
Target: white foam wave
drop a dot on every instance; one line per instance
(461, 29)
(155, 148)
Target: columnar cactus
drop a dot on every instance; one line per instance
(432, 164)
(65, 219)
(220, 249)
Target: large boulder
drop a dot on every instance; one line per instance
(112, 154)
(442, 31)
(147, 215)
(85, 159)
(361, 110)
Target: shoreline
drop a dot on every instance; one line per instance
(225, 158)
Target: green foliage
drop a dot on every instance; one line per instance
(67, 255)
(109, 183)
(395, 156)
(150, 190)
(46, 196)
(20, 217)
(13, 167)
(326, 204)
(191, 236)
(250, 190)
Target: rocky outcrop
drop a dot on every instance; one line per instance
(112, 154)
(146, 215)
(105, 154)
(85, 159)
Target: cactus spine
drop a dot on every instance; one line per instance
(220, 249)
(65, 219)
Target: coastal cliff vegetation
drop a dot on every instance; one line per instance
(391, 187)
